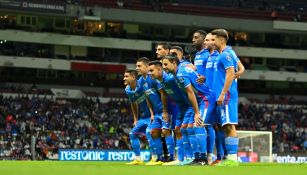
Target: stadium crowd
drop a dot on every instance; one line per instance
(93, 125)
(60, 124)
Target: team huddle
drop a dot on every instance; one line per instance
(197, 102)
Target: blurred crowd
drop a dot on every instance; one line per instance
(60, 124)
(287, 123)
(91, 124)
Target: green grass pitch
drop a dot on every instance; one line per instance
(119, 168)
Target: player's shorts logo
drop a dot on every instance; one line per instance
(222, 113)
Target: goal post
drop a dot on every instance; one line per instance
(255, 146)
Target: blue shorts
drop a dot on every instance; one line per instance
(228, 112)
(216, 119)
(207, 110)
(171, 123)
(180, 116)
(173, 112)
(157, 122)
(188, 116)
(141, 126)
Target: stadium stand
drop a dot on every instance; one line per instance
(91, 124)
(60, 124)
(256, 9)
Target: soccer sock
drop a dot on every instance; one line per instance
(180, 149)
(210, 138)
(150, 143)
(222, 135)
(210, 157)
(219, 145)
(135, 144)
(201, 137)
(193, 141)
(158, 147)
(232, 147)
(186, 143)
(170, 146)
(164, 147)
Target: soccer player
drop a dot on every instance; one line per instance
(200, 62)
(220, 135)
(152, 91)
(162, 49)
(227, 95)
(202, 100)
(209, 73)
(141, 114)
(178, 51)
(202, 54)
(171, 88)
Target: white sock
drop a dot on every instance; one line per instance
(232, 157)
(154, 157)
(210, 157)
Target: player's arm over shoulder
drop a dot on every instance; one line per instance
(241, 69)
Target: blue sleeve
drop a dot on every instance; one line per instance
(158, 85)
(237, 59)
(155, 83)
(184, 79)
(227, 61)
(129, 95)
(186, 82)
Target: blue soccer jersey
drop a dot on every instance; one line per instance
(205, 96)
(151, 89)
(137, 96)
(170, 86)
(184, 62)
(187, 76)
(231, 52)
(200, 61)
(223, 62)
(210, 68)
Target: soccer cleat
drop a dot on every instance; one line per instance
(228, 162)
(186, 161)
(165, 158)
(136, 162)
(215, 162)
(158, 162)
(152, 160)
(195, 162)
(203, 163)
(175, 162)
(169, 159)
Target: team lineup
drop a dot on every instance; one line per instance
(185, 109)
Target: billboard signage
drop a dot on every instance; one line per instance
(33, 6)
(290, 158)
(100, 155)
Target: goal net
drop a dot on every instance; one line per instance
(255, 146)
